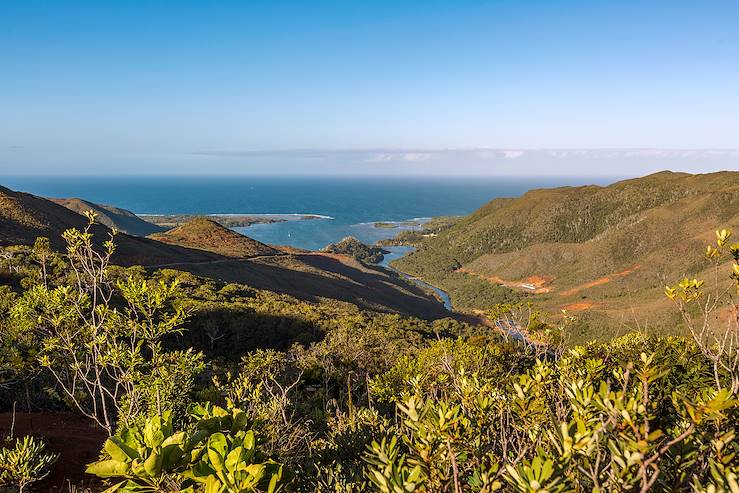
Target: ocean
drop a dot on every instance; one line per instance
(350, 205)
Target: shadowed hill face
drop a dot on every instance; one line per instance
(24, 217)
(207, 234)
(603, 252)
(312, 276)
(113, 217)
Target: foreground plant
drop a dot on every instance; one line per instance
(580, 423)
(108, 360)
(150, 458)
(221, 454)
(26, 462)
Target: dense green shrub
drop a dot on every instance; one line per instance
(220, 452)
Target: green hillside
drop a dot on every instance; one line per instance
(210, 250)
(597, 251)
(206, 234)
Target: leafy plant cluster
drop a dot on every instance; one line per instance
(219, 452)
(24, 461)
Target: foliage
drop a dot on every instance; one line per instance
(355, 248)
(25, 462)
(712, 315)
(265, 389)
(108, 362)
(149, 457)
(220, 452)
(555, 429)
(350, 400)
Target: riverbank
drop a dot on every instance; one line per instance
(395, 252)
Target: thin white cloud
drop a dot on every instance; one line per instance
(495, 161)
(512, 154)
(417, 156)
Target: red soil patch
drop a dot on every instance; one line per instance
(728, 316)
(599, 282)
(533, 284)
(578, 307)
(73, 437)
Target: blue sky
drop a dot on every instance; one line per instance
(355, 87)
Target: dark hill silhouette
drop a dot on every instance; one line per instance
(24, 217)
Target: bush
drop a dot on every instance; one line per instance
(221, 453)
(26, 462)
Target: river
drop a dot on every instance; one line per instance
(398, 251)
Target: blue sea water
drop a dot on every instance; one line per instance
(352, 203)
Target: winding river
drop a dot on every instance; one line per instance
(398, 251)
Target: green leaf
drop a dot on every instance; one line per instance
(118, 450)
(153, 464)
(108, 468)
(217, 446)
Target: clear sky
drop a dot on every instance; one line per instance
(368, 86)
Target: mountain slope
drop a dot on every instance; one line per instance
(311, 276)
(23, 217)
(208, 235)
(113, 217)
(600, 251)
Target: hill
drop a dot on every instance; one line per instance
(603, 252)
(355, 248)
(305, 275)
(24, 217)
(113, 217)
(206, 234)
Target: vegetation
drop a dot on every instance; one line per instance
(204, 385)
(220, 453)
(598, 251)
(24, 462)
(352, 246)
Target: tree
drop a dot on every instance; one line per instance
(106, 359)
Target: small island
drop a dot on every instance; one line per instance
(398, 224)
(351, 246)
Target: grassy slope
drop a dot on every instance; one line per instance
(603, 252)
(207, 234)
(24, 217)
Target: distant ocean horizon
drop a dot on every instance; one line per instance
(348, 205)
